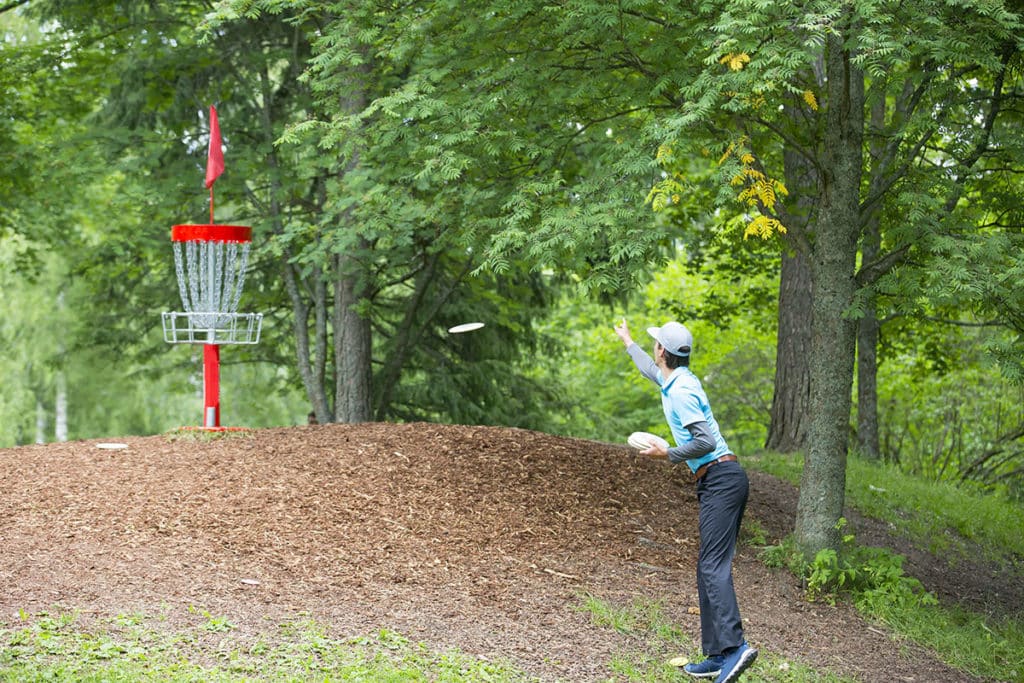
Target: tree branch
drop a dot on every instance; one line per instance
(871, 272)
(789, 140)
(982, 144)
(797, 233)
(654, 20)
(12, 5)
(999, 447)
(881, 184)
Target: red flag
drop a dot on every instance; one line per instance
(215, 158)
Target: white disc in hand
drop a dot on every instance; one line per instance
(644, 440)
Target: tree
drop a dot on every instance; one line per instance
(413, 223)
(864, 59)
(327, 258)
(723, 83)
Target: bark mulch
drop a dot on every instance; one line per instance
(483, 539)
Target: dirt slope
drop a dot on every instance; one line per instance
(479, 538)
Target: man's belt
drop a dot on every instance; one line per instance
(703, 469)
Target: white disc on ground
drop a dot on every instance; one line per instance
(644, 440)
(112, 446)
(464, 327)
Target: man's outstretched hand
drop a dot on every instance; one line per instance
(623, 331)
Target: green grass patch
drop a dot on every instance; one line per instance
(962, 639)
(657, 640)
(939, 516)
(873, 580)
(58, 646)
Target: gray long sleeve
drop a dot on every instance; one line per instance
(644, 363)
(701, 444)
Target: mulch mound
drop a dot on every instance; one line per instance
(483, 539)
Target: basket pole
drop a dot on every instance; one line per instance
(211, 385)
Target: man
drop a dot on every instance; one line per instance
(722, 489)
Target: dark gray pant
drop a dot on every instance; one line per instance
(722, 497)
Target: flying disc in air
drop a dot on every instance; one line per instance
(464, 327)
(644, 440)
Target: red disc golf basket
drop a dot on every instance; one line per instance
(210, 262)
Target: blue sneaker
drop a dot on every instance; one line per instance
(736, 662)
(709, 668)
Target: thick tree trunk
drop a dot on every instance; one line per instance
(353, 334)
(353, 342)
(833, 344)
(790, 413)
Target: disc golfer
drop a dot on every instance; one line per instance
(722, 489)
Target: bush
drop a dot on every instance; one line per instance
(871, 577)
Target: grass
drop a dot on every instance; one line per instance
(62, 646)
(963, 639)
(658, 641)
(940, 517)
(947, 521)
(59, 646)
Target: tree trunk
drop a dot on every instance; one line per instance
(833, 344)
(868, 327)
(353, 335)
(790, 414)
(420, 311)
(60, 399)
(310, 355)
(60, 407)
(321, 406)
(310, 368)
(867, 357)
(40, 422)
(353, 342)
(404, 334)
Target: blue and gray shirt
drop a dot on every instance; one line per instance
(687, 411)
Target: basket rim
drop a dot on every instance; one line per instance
(211, 233)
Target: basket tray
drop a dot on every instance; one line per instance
(198, 327)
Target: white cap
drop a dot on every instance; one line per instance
(676, 339)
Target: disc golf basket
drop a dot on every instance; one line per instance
(210, 262)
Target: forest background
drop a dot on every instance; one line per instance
(826, 193)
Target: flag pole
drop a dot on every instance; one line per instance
(211, 351)
(215, 156)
